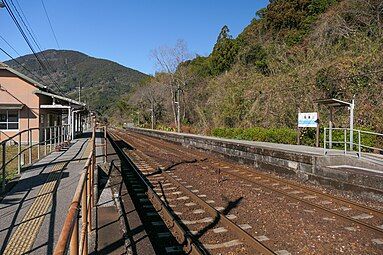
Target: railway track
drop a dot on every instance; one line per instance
(347, 210)
(196, 224)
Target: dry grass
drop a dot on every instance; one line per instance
(12, 161)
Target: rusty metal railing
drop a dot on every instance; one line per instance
(48, 138)
(78, 223)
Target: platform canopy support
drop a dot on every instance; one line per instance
(332, 103)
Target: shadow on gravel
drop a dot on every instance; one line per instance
(144, 226)
(170, 168)
(230, 206)
(123, 145)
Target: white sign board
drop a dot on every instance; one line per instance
(308, 119)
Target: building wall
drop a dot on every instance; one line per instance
(23, 92)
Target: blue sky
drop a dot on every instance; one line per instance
(127, 31)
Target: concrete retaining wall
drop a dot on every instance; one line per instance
(302, 164)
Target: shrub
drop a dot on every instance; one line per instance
(273, 135)
(289, 136)
(256, 56)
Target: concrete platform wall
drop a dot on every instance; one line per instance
(307, 166)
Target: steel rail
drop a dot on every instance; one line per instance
(249, 239)
(190, 245)
(287, 182)
(242, 234)
(250, 179)
(376, 229)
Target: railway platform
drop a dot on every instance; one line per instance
(213, 205)
(129, 192)
(33, 211)
(336, 168)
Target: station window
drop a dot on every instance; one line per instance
(9, 119)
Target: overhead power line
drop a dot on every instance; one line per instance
(24, 35)
(22, 66)
(50, 24)
(29, 29)
(10, 45)
(25, 17)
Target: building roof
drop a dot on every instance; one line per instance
(332, 102)
(42, 89)
(22, 76)
(59, 97)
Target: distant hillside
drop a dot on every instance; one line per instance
(292, 53)
(103, 82)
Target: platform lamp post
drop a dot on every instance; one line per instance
(351, 107)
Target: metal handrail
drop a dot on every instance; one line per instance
(83, 201)
(348, 131)
(57, 136)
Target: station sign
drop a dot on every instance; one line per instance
(307, 119)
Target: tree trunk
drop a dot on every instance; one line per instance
(173, 106)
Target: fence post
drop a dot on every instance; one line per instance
(45, 141)
(19, 156)
(74, 244)
(38, 144)
(93, 162)
(3, 169)
(50, 139)
(84, 217)
(30, 146)
(89, 198)
(54, 137)
(345, 141)
(359, 145)
(62, 134)
(105, 146)
(324, 141)
(58, 135)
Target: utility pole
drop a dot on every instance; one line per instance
(178, 110)
(79, 92)
(152, 113)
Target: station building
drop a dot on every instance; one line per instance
(26, 103)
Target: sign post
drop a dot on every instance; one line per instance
(307, 120)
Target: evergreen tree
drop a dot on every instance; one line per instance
(224, 34)
(224, 52)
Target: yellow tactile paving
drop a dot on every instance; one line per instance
(23, 238)
(87, 151)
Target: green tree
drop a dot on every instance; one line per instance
(256, 56)
(224, 53)
(224, 34)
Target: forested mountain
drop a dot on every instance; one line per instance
(103, 82)
(292, 53)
